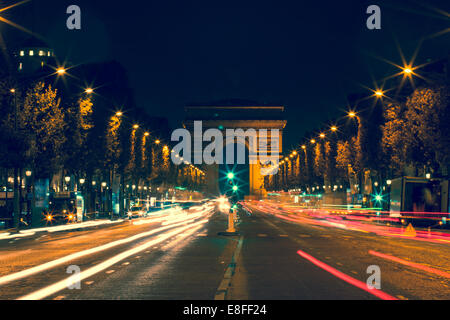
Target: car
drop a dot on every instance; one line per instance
(137, 212)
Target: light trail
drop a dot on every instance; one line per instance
(320, 217)
(48, 265)
(411, 264)
(63, 284)
(359, 284)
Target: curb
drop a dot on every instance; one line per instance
(225, 284)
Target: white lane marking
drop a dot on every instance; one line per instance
(59, 297)
(284, 236)
(61, 285)
(125, 263)
(89, 282)
(110, 271)
(179, 239)
(73, 256)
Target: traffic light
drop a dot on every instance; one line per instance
(230, 175)
(235, 188)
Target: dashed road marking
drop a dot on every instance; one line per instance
(138, 257)
(284, 236)
(89, 282)
(59, 298)
(125, 263)
(110, 271)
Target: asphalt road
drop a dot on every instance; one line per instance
(188, 260)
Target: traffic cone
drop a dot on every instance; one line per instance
(410, 231)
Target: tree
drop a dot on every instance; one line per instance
(78, 117)
(397, 141)
(347, 159)
(428, 117)
(43, 118)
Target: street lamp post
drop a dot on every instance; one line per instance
(16, 186)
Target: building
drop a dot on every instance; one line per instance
(33, 56)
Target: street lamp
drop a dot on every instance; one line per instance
(322, 136)
(119, 113)
(67, 179)
(89, 90)
(136, 126)
(157, 141)
(407, 70)
(61, 71)
(82, 181)
(313, 141)
(334, 128)
(352, 114)
(379, 93)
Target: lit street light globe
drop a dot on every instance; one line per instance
(407, 70)
(60, 71)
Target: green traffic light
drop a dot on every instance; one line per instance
(235, 188)
(230, 175)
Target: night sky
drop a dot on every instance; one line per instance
(305, 55)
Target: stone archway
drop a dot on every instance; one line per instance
(238, 117)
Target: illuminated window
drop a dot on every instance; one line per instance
(49, 54)
(31, 53)
(41, 53)
(22, 53)
(20, 66)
